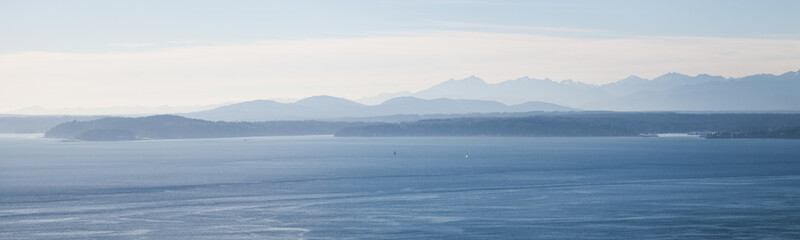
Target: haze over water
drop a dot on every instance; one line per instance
(321, 187)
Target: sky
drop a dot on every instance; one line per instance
(101, 54)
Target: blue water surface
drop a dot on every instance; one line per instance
(321, 187)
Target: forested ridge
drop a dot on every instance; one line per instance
(592, 124)
(576, 124)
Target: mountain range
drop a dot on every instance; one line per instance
(472, 95)
(669, 92)
(332, 108)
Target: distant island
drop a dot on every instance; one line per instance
(175, 127)
(568, 124)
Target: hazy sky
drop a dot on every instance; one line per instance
(62, 54)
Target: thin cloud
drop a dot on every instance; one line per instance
(132, 45)
(184, 42)
(560, 4)
(514, 28)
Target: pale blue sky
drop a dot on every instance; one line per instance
(59, 54)
(79, 26)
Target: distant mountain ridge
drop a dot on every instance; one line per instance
(669, 92)
(327, 107)
(513, 91)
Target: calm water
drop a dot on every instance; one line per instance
(338, 188)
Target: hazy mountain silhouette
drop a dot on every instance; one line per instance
(318, 107)
(515, 91)
(383, 97)
(327, 107)
(763, 92)
(670, 92)
(119, 110)
(247, 111)
(412, 105)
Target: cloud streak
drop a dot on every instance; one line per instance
(132, 45)
(517, 28)
(358, 67)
